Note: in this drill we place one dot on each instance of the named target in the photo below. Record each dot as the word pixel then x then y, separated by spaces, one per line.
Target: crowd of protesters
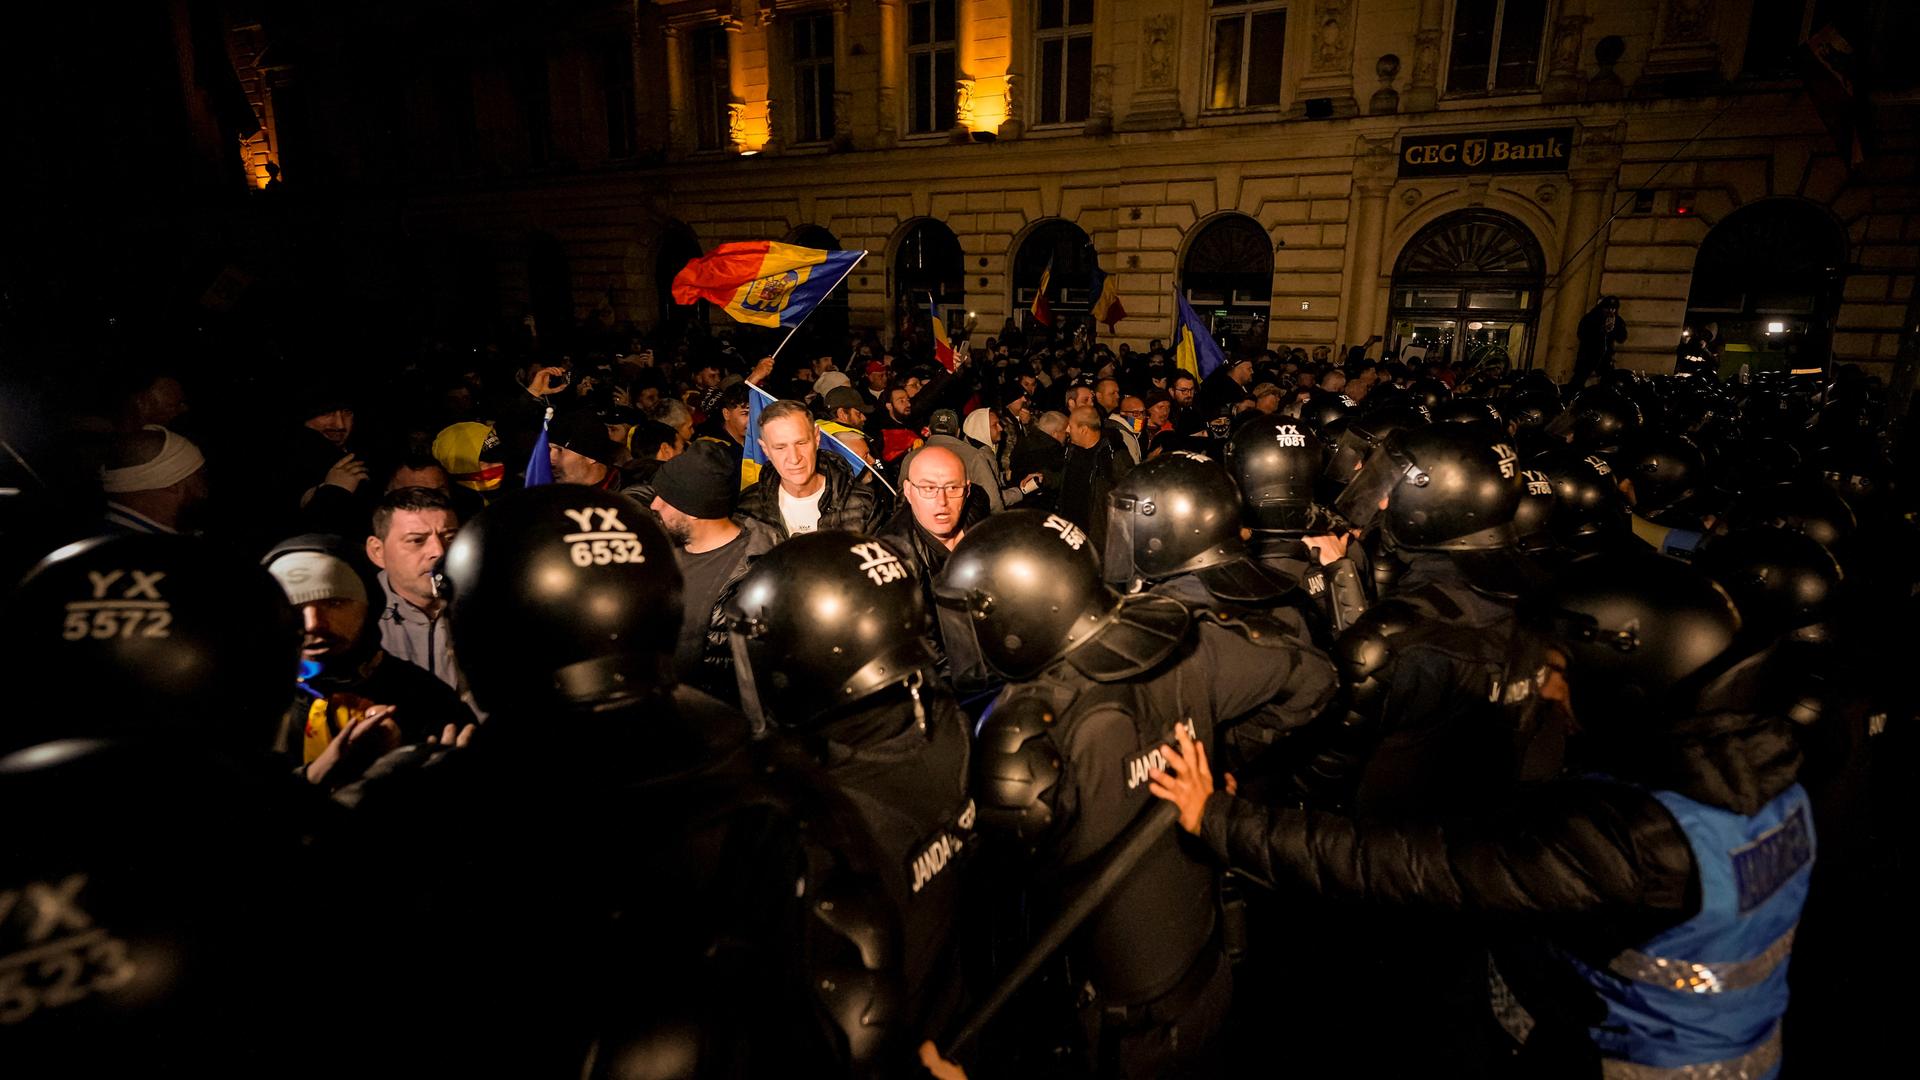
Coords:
pixel 1427 877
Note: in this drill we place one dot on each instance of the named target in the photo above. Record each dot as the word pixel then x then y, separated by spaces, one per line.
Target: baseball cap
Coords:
pixel 943 422
pixel 846 397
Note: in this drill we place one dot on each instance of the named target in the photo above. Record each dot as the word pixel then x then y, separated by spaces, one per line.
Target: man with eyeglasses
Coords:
pixel 941 505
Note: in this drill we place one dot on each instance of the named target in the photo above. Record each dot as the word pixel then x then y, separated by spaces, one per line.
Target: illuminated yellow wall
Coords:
pixel 986 49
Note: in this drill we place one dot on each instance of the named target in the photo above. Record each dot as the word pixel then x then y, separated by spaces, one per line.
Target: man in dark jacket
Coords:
pixel 1599 331
pixel 1664 886
pixel 941 505
pixel 802 490
pixel 1093 465
pixel 694 494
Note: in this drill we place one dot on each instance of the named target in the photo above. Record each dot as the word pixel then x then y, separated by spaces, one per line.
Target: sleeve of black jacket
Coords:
pixel 1569 848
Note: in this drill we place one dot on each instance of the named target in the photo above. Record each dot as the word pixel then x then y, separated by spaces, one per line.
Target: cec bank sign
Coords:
pixel 1467 153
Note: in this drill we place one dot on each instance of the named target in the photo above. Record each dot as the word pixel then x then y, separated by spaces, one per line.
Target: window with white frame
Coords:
pixel 1496 46
pixel 813 76
pixel 1063 37
pixel 931 104
pixel 1249 43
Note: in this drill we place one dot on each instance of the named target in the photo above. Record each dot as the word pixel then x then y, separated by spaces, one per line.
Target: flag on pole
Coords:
pixel 1194 349
pixel 1043 310
pixel 540 463
pixel 757 401
pixel 1104 294
pixel 764 283
pixel 942 348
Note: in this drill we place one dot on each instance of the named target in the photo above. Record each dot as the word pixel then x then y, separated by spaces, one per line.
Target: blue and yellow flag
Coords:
pixel 1194 349
pixel 764 283
pixel 758 400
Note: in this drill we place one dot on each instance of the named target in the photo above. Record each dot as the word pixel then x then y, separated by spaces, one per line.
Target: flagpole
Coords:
pixel 874 469
pixel 795 328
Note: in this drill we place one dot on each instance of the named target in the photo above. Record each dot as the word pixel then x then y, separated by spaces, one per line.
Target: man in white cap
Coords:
pixel 155 482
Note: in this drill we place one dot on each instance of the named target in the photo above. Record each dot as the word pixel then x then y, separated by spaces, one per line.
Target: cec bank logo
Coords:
pixel 1473 152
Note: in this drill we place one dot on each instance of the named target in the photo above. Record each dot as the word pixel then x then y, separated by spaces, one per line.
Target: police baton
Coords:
pixel 1128 849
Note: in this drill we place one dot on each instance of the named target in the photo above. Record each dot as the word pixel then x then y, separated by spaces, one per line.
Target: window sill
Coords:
pixel 1259 114
pixel 1471 98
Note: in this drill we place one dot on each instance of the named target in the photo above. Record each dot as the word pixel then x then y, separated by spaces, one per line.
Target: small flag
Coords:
pixel 1105 294
pixel 1194 349
pixel 757 401
pixel 540 464
pixel 942 348
pixel 764 283
pixel 1043 310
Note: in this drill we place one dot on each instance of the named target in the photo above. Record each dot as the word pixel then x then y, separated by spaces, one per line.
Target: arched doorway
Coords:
pixel 1227 275
pixel 1466 289
pixel 1066 248
pixel 1768 280
pixel 678 247
pixel 927 262
pixel 550 292
pixel 825 331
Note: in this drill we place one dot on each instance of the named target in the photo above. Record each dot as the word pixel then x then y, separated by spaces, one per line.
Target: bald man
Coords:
pixel 941 505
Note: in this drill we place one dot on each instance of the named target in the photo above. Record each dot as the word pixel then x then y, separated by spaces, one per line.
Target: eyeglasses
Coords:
pixel 934 491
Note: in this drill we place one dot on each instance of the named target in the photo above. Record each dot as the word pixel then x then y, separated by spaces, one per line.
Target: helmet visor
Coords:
pixel 1116 560
pixel 1365 496
pixel 958 637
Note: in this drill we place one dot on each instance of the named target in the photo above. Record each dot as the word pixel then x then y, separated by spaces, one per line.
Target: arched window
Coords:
pixel 1069 251
pixel 928 263
pixel 1467 289
pixel 1766 285
pixel 1227 274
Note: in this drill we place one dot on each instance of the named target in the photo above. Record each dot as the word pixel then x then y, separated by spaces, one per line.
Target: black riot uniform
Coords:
pixel 609 881
pixel 829 634
pixel 153 878
pixel 1098 683
pixel 1276 463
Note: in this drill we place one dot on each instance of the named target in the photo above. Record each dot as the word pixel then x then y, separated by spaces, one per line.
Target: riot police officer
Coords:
pixel 153 851
pixel 1276 464
pixel 1097 683
pixel 610 878
pixel 829 635
pixel 1666 884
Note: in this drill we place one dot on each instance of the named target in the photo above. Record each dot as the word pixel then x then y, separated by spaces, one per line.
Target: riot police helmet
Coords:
pixel 1180 514
pixel 821 622
pixel 1442 490
pixel 1323 409
pixel 1782 582
pixel 1363 433
pixel 137 633
pixel 1023 590
pixel 1664 470
pixel 1804 506
pixel 1601 420
pixel 1276 462
pixel 1589 512
pixel 563 596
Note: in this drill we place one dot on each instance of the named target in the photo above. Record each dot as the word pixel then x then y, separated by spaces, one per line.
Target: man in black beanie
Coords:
pixel 582 452
pixel 695 494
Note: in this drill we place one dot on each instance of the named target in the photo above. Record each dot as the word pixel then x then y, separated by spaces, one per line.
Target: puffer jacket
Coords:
pixel 846 503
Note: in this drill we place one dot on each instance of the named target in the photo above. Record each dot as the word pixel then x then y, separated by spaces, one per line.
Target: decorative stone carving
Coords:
pixel 1332 18
pixel 1159 36
pixel 1685 58
pixel 1410 198
pixel 1386 99
pixel 1423 87
pixel 1562 83
pixel 843 119
pixel 1100 106
pixel 1545 194
pixel 1689 20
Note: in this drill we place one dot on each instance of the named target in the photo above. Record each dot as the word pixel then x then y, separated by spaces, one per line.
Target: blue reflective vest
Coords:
pixel 1706 997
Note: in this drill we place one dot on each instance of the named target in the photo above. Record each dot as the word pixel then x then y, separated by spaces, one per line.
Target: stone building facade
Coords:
pixel 1445 174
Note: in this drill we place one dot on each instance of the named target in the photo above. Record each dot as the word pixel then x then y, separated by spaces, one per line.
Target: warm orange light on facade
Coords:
pixel 750 126
pixel 984 103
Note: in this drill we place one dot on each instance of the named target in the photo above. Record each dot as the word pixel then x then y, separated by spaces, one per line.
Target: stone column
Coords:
pixel 1423 86
pixel 842 99
pixel 893 44
pixel 965 55
pixel 679 103
pixel 1374 166
pixel 1329 58
pixel 782 125
pixel 1564 81
pixel 1596 162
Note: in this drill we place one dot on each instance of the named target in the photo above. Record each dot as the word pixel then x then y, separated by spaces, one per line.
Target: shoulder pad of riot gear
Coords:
pixel 1016 765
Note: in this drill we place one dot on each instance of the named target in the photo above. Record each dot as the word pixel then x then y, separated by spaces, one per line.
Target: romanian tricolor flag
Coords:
pixel 762 282
pixel 1042 309
pixel 942 348
pixel 1105 295
pixel 1194 350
